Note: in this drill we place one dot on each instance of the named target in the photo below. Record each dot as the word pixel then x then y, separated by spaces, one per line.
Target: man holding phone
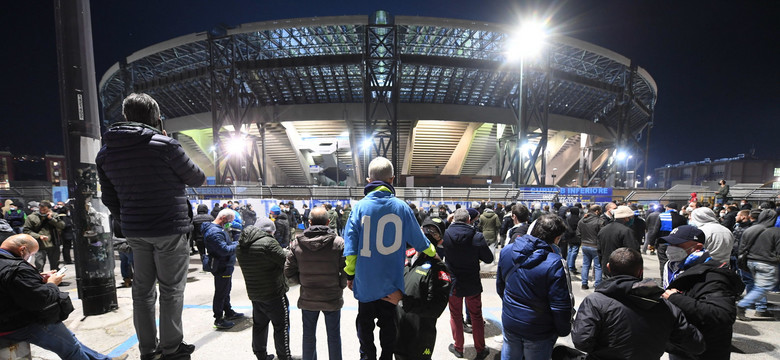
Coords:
pixel 45 226
pixel 25 293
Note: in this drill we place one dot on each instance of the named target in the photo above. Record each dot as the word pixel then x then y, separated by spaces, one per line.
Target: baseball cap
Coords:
pixel 684 233
pixel 276 210
pixel 435 222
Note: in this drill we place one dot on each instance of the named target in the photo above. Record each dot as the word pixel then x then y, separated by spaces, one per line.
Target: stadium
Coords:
pixel 311 101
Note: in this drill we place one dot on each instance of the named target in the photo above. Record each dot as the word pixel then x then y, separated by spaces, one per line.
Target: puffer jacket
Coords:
pixel 203 216
pixel 707 297
pixel 623 309
pixel 282 233
pixel 262 263
pixel 760 250
pixel 137 167
pixel 220 247
pixel 465 248
pixel 537 302
pixel 720 240
pixel 489 223
pixel 316 261
pixel 588 230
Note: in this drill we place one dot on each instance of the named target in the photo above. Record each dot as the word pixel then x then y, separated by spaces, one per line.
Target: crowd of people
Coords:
pixel 404 265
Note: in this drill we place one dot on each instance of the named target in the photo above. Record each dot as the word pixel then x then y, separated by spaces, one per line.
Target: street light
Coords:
pixel 527 41
pixel 553 175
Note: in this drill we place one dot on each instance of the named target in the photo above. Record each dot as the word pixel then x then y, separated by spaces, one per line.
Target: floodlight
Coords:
pixel 621 155
pixel 527 147
pixel 235 146
pixel 527 41
pixel 367 144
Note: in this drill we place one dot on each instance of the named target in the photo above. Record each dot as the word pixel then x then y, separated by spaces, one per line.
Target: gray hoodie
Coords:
pixel 761 251
pixel 720 240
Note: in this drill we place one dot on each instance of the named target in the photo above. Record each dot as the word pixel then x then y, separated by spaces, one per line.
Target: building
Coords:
pixel 735 170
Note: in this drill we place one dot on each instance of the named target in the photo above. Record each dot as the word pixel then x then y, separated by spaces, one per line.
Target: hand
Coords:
pixel 49 214
pixel 394 297
pixel 54 278
pixel 669 293
pixel 349 284
pixel 44 238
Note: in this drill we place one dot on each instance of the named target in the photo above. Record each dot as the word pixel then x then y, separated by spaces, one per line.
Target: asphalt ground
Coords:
pixel 113 333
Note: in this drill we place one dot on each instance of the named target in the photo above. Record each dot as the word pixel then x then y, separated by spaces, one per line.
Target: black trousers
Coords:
pixel 223 283
pixel 52 253
pixel 660 251
pixel 416 337
pixel 387 319
pixel 67 244
pixel 277 312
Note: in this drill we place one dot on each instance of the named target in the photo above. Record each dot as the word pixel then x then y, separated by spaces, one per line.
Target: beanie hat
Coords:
pixel 473 213
pixel 265 224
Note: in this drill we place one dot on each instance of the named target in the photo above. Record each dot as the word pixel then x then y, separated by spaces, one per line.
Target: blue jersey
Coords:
pixel 377 231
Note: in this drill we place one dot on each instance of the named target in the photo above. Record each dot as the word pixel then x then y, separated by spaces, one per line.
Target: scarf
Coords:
pixel 378 186
pixel 695 258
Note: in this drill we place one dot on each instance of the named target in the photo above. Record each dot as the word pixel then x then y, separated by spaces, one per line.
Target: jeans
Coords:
pixel 333 328
pixel 277 312
pixel 590 254
pixel 474 306
pixel 517 348
pixel 572 255
pixel 126 264
pixel 387 320
pixel 57 339
pixel 764 279
pixel 159 260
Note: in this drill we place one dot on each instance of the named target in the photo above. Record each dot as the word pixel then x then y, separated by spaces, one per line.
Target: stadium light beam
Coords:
pixel 236 145
pixel 527 41
pixel 621 155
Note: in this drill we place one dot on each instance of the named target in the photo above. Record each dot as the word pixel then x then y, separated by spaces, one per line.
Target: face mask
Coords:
pixel 676 254
pixel 630 223
pixel 226 226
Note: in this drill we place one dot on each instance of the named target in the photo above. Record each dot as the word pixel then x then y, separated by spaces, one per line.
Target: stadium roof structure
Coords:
pixel 437 96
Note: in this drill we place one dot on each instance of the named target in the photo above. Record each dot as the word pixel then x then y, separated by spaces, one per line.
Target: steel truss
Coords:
pixel 381 89
pixel 230 102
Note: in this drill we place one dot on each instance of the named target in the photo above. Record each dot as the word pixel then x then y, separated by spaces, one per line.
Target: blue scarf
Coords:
pixel 378 186
pixel 695 258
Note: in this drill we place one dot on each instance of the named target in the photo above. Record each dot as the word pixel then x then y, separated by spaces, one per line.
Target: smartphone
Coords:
pixel 62 270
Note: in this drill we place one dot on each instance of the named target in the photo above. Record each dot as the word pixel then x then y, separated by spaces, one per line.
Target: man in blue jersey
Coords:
pixel 667 221
pixel 375 237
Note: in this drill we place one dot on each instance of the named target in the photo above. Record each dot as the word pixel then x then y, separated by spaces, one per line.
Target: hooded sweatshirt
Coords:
pixel 764 245
pixel 489 223
pixel 626 318
pixel 316 261
pixel 537 302
pixel 719 240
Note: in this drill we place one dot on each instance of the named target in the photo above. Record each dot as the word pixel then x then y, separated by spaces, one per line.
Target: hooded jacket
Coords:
pixel 137 167
pixel 202 216
pixel 537 302
pixel 489 223
pixel 707 297
pixel 588 230
pixel 316 261
pixel 262 263
pixel 220 247
pixel 626 318
pixel 465 248
pixel 765 245
pixel 720 240
pixel 282 233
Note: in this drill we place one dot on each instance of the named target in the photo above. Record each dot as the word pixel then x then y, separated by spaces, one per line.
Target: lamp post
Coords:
pixel 553 175
pixel 527 41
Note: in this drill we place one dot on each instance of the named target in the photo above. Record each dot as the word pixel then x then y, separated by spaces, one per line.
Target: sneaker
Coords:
pixel 458 354
pixel 574 271
pixel 267 357
pixel 468 329
pixel 584 287
pixel 182 353
pixel 222 324
pixel 233 315
pixel 763 314
pixel 120 357
pixel 482 355
pixel 741 314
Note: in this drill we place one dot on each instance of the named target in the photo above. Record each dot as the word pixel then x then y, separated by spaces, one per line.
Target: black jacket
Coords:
pixel 427 285
pixel 203 216
pixel 614 236
pixel 143 175
pixel 23 294
pixel 282 233
pixel 626 318
pixel 707 297
pixel 465 248
pixel 262 264
pixel 571 235
pixel 654 226
pixel 730 219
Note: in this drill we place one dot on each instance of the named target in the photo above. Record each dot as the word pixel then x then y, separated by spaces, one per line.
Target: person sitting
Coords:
pixel 25 296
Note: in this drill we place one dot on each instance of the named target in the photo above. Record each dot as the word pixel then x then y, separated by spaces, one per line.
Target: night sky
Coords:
pixel 715 62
